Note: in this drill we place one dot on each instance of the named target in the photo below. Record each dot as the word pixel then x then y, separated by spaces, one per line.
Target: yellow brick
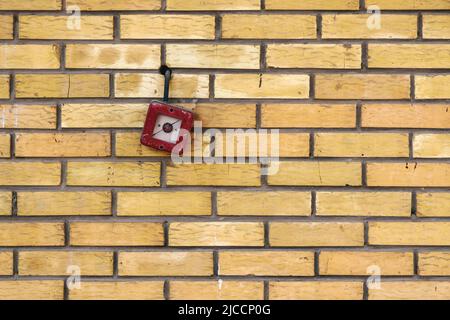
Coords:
pixel 32 290
pixel 358 263
pixel 6 263
pixel 409 56
pixel 142 85
pixel 29 56
pixel 431 145
pixel 266 263
pixel 406 116
pixel 281 86
pixel 308 116
pixel 352 26
pixel 5 145
pixel 436 26
pixel 245 26
pixel 411 174
pixel 216 290
pixel 28 116
pixel 200 5
pixel 410 4
pixel 6 27
pixel 411 290
pixel 113 56
pixel 62 85
pixel 315 290
pixel 433 204
pixel 65 27
pixel 128 144
pixel 108 5
pixel 63 144
pixel 59 263
pixel 272 203
pixel 364 204
pixel 163 203
pixel 324 56
pixel 125 174
pixel 312 5
pixel 185 234
pixel 213 56
pixel 167 26
pixel 434 263
pixel 226 115
pixel 120 290
pixel 432 87
pixel 30 173
pixel 4 86
pixel 317 234
pixel 31 234
pixel 409 233
pixel 30 5
pixel 116 234
pixel 362 86
pixel 317 174
pixel 63 203
pixel 214 174
pixel 361 145
pixel 165 264
pixel 5 203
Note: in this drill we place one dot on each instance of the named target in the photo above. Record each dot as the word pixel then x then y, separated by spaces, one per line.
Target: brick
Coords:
pixel 36 5
pixel 410 4
pixel 201 5
pixel 116 234
pixel 65 27
pixel 364 204
pixel 436 26
pixel 5 203
pixel 142 85
pixel 406 116
pixel 163 203
pixel 213 56
pixel 411 56
pixel 409 233
pixel 248 86
pixel 411 290
pixel 29 56
pixel 118 290
pixel 165 263
pixel 408 174
pixel 432 87
pixel 32 290
pixel 167 26
pixel 213 174
pixel 28 116
pixel 341 263
pixel 308 116
pixel 125 174
pixel 31 234
pixel 67 144
pixel 226 115
pixel 315 290
pixel 30 173
pixel 272 203
pixel 185 234
pixel 4 86
pixel 433 204
pixel 113 56
pixel 58 263
pixel 216 290
pixel 128 144
pixel 317 174
pixel 321 56
pixel 5 146
pixel 308 234
pixel 361 145
pixel 6 263
pixel 245 26
pixel 67 203
pixel 362 86
pixel 266 263
pixel 116 5
pixel 6 27
pixel 62 85
pixel 431 145
pixel 352 26
pixel 434 263
pixel 312 5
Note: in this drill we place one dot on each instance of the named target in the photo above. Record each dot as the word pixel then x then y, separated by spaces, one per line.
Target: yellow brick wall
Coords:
pixel 363 179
